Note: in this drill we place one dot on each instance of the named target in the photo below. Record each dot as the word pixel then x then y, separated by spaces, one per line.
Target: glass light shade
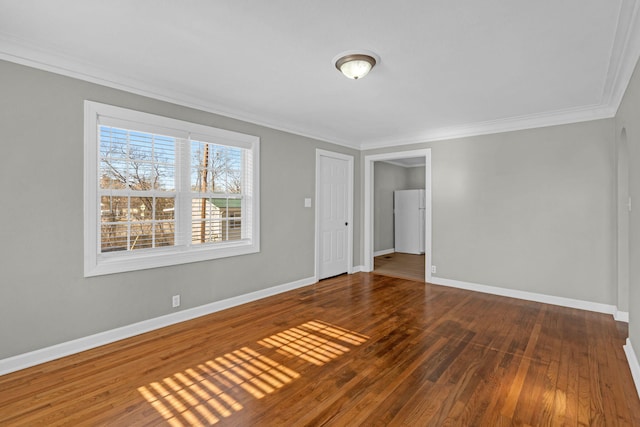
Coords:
pixel 355 66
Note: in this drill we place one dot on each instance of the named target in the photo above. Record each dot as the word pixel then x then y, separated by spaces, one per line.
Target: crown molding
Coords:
pixel 625 52
pixel 20 52
pixel 532 121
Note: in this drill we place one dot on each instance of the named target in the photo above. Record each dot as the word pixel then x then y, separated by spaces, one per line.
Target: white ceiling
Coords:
pixel 447 69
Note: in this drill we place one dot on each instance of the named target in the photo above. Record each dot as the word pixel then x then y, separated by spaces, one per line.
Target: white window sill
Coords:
pixel 115 262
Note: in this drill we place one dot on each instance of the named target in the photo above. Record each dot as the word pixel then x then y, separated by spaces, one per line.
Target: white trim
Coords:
pixel 623 62
pixel 527 296
pixel 510 124
pixel 384 252
pixel 96 263
pixel 634 366
pixel 12 50
pixel 369 205
pixel 402 165
pixel 36 357
pixel 621 316
pixel 31 57
pixel 624 56
pixel 350 200
pixel 357 269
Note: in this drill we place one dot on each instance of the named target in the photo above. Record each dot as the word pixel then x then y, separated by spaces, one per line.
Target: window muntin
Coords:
pixel 160 191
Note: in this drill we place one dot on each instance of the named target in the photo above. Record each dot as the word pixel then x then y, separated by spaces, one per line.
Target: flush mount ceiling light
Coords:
pixel 355 65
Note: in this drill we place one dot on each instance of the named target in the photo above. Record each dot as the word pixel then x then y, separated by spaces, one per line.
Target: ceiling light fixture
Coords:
pixel 355 65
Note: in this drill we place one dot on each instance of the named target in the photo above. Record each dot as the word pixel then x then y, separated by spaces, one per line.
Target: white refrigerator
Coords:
pixel 408 210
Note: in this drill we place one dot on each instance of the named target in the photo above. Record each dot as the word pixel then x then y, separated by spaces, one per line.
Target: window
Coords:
pixel 160 191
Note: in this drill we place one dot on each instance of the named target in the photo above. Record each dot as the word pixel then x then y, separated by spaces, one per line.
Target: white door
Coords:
pixel 334 215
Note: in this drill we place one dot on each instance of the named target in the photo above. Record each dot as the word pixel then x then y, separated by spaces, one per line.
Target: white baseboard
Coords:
pixel 621 316
pixel 632 359
pixel 26 360
pixel 357 269
pixel 529 296
pixel 384 252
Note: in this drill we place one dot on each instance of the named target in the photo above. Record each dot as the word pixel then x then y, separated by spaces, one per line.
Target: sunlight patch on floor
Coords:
pixel 204 395
pixel 310 342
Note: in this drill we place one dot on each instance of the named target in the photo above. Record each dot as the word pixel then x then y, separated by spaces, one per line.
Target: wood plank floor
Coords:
pixel 353 350
pixel 397 264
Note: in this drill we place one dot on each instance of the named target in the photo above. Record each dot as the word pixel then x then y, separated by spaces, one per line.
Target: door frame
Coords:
pixel 623 221
pixel 369 205
pixel 350 177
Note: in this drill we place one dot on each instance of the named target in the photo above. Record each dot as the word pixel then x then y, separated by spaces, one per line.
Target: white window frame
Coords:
pixel 97 263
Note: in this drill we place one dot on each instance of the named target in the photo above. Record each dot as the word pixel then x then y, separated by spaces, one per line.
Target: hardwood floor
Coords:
pixel 397 264
pixel 354 350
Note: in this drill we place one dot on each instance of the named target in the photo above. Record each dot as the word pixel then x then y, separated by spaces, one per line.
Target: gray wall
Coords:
pixel 530 210
pixel 387 179
pixel 44 298
pixel 628 144
pixel 415 178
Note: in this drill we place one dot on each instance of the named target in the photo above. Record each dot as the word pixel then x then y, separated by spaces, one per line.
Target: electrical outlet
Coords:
pixel 175 301
pixel 433 269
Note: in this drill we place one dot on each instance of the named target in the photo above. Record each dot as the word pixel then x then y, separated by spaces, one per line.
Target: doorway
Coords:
pixel 369 206
pixel 334 214
pixel 624 208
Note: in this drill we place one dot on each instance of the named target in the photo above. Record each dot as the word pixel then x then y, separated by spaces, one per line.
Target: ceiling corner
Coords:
pixel 624 54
